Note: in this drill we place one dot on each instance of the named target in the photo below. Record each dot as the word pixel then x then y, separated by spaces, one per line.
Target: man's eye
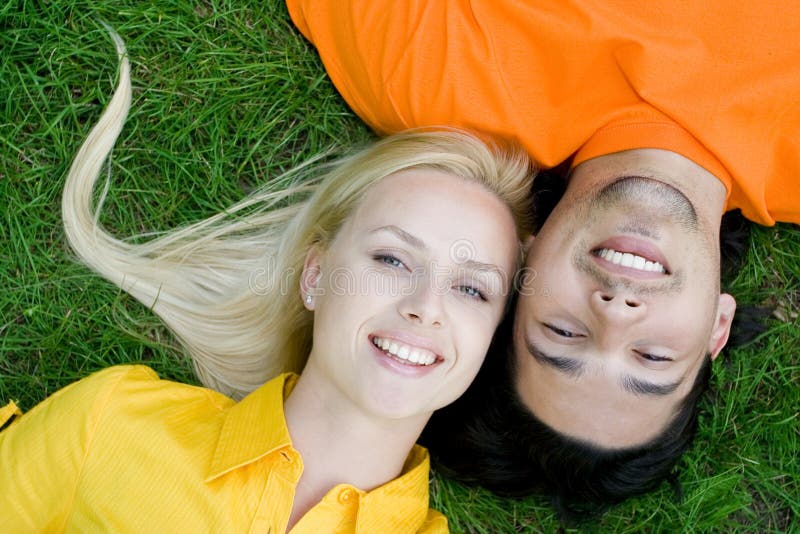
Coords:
pixel 561 332
pixel 654 358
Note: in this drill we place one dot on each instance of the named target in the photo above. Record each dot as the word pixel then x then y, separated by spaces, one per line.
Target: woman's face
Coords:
pixel 407 296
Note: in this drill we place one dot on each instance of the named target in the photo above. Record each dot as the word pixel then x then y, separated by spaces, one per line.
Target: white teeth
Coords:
pixel 405 352
pixel 632 261
pixel 627 260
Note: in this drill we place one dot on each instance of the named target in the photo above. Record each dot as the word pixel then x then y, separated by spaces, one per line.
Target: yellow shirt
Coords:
pixel 123 451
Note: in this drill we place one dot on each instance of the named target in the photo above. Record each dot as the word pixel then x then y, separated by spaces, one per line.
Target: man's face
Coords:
pixel 620 301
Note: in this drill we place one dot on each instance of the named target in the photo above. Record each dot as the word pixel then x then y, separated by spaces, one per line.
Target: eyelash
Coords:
pixel 654 358
pixel 476 293
pixel 569 335
pixel 392 261
pixel 389 260
pixel 561 332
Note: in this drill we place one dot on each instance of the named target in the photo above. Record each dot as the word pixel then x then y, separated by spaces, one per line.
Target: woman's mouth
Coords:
pixel 406 354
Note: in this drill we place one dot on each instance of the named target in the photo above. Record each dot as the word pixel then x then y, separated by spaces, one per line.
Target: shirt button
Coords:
pixel 346 496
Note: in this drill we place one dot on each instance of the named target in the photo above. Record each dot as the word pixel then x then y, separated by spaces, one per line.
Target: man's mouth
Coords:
pixel 631 255
pixel 632 261
pixel 407 354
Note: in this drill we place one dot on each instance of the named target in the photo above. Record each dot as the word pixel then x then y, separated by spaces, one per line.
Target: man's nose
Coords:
pixel 617 306
pixel 423 306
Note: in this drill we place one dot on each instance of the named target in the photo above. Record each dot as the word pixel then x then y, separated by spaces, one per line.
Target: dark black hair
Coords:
pixel 489 437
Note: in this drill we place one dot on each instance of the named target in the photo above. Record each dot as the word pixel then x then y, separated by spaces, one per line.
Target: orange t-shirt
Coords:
pixel 717 81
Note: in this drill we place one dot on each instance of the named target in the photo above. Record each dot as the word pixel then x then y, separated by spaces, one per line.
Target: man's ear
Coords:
pixel 722 327
pixel 312 273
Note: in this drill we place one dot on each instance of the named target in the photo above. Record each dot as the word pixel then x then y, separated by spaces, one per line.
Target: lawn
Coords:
pixel 225 98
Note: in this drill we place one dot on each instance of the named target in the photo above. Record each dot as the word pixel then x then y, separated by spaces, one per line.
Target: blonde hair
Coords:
pixel 228 286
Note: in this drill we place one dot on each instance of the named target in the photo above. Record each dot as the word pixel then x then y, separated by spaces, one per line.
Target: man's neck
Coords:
pixel 340 442
pixel 706 193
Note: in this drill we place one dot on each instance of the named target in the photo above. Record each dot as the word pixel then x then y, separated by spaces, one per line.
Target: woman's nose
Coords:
pixel 423 306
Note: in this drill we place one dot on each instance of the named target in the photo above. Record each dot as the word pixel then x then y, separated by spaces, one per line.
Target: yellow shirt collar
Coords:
pixel 408 494
pixel 245 438
pixel 253 427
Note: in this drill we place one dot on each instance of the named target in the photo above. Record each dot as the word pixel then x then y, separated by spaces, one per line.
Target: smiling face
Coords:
pixel 621 302
pixel 409 292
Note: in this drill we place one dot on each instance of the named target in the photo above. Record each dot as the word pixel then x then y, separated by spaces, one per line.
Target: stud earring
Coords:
pixel 309 298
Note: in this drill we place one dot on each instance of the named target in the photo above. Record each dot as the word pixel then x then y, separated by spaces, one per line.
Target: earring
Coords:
pixel 309 298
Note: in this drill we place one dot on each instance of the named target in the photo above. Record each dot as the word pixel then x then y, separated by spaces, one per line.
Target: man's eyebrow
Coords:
pixel 403 235
pixel 568 366
pixel 644 387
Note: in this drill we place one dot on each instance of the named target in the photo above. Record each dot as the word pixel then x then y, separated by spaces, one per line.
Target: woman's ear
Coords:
pixel 309 279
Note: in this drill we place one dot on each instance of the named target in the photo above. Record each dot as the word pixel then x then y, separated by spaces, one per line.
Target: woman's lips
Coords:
pixel 400 366
pixel 402 348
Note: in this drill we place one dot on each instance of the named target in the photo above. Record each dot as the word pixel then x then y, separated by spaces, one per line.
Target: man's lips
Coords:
pixel 632 257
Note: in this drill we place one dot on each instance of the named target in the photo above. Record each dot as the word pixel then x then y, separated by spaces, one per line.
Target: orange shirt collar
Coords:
pixel 648 128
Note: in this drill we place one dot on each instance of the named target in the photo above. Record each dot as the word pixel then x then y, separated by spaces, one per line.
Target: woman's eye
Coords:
pixel 390 260
pixel 561 332
pixel 472 292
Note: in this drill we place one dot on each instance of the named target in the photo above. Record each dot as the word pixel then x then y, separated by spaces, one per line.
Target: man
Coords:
pixel 623 304
pixel 667 117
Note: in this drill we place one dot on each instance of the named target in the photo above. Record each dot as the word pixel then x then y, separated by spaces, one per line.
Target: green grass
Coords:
pixel 227 96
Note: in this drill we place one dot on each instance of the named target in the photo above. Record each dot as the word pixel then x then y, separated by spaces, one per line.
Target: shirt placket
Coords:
pixel 275 504
pixel 336 513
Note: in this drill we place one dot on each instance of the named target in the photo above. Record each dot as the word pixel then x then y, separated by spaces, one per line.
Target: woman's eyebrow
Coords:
pixel 412 240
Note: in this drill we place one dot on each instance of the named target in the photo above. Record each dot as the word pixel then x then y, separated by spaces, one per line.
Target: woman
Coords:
pixel 384 284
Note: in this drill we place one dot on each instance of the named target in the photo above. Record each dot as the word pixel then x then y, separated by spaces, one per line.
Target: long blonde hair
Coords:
pixel 228 286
